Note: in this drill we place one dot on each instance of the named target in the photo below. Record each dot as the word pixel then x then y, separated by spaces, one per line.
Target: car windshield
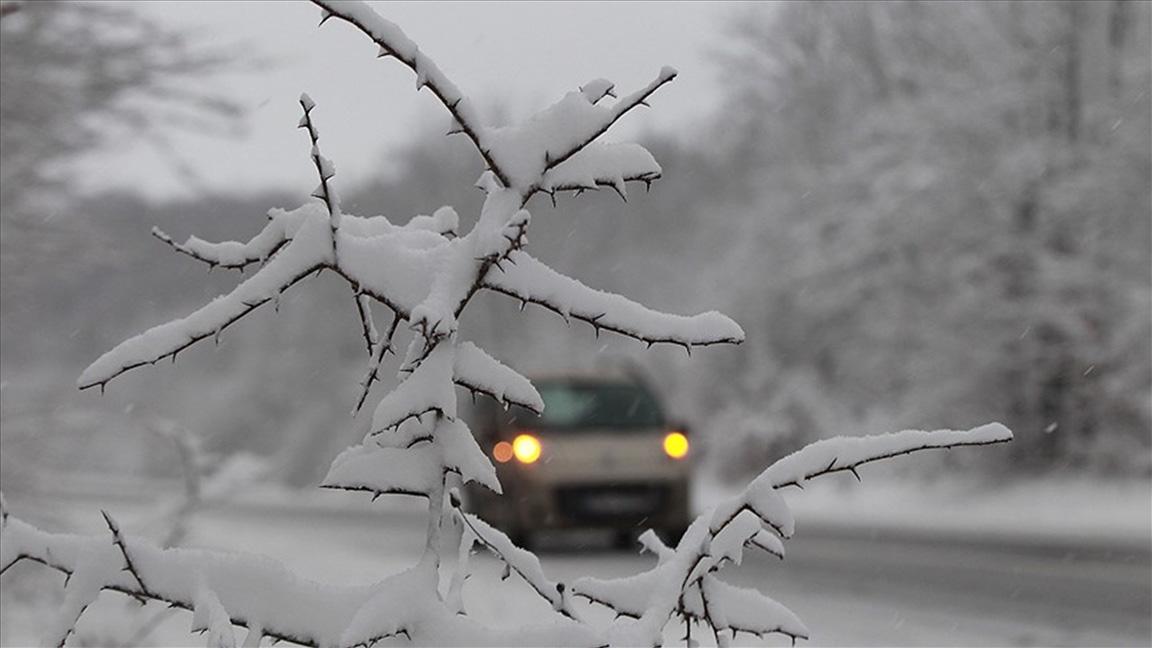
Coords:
pixel 594 405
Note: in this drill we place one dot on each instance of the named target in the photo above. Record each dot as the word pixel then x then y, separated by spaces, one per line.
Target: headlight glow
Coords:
pixel 676 445
pixel 526 448
pixel 502 452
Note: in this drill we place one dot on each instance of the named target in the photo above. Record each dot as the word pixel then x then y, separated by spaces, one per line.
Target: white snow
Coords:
pixel 769 542
pixel 476 370
pixel 254 589
pixel 600 163
pixel 728 543
pixel 209 615
pixel 530 280
pixel 527 150
pixel 523 562
pixel 428 388
pixel 628 595
pixel 462 454
pixel 747 610
pixel 92 570
pixel 386 470
pixel 762 499
pixel 308 249
pixel 597 89
pixel 841 453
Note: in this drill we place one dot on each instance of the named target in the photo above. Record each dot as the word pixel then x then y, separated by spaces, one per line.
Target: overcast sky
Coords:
pixel 518 57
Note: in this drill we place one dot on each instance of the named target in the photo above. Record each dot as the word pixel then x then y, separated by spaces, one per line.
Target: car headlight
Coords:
pixel 676 445
pixel 526 448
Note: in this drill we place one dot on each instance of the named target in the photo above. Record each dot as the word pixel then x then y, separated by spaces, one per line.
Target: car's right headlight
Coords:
pixel 676 445
pixel 526 448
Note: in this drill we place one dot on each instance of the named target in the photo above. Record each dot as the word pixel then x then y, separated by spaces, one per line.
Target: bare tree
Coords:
pixel 76 76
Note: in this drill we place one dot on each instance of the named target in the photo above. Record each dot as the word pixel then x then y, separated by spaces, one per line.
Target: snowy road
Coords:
pixel 858 587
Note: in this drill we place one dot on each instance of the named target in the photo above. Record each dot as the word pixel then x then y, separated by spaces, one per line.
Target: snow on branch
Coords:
pixel 499 232
pixel 551 137
pixel 367 324
pixel 209 615
pixel 462 455
pixel 521 561
pixel 383 345
pixel 530 281
pixel 307 252
pixel 235 589
pixel 394 42
pixel 376 470
pixel 603 165
pixel 324 167
pixel 842 454
pixel 428 388
pixel 231 254
pixel 480 373
pixel 838 454
pixel 410 461
pixel 738 609
pixel 523 156
pixel 684 582
pixel 390 264
pixel 251 589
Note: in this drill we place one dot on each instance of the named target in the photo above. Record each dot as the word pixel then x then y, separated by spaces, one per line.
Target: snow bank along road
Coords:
pixel 851 586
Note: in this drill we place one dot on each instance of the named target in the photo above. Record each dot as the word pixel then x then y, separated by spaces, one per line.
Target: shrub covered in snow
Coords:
pixel 424 273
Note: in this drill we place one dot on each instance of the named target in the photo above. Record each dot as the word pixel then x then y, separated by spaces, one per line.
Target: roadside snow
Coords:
pixel 1064 510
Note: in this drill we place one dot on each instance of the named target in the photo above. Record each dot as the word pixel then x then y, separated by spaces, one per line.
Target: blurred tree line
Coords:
pixel 951 220
pixel 923 214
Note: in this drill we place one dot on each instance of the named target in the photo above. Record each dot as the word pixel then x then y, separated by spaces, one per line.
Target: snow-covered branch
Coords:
pixel 383 345
pixel 307 252
pixel 532 156
pixel 251 588
pixel 684 582
pixel 848 453
pixel 480 373
pixel 324 167
pixel 521 561
pixel 395 43
pixel 223 590
pixel 565 140
pixel 230 254
pixel 531 281
pixel 603 165
pixel 393 265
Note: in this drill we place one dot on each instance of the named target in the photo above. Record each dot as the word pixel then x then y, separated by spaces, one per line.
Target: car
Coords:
pixel 602 455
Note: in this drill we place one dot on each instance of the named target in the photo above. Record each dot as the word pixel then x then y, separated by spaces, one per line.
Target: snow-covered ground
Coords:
pixel 1042 510
pixel 1040 563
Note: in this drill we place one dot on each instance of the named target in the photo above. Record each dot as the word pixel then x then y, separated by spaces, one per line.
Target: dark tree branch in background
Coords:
pixel 78 76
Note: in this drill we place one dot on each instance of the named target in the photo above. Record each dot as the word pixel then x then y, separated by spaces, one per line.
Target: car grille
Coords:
pixel 603 503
